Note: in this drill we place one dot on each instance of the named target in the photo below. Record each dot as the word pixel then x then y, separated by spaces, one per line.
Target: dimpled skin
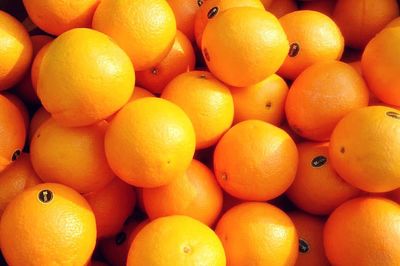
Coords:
pixel 176 241
pixel 318 38
pixel 93 76
pixel 145 29
pixel 150 142
pixel 207 102
pixel 381 65
pixel 258 234
pixel 71 156
pixel 364 231
pixel 15 51
pixel 58 16
pixel 364 148
pixel 244 45
pixel 59 232
pixel 255 160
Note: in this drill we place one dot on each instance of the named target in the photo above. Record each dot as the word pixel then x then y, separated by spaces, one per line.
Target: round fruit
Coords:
pixel 93 76
pixel 15 178
pixel 145 29
pixel 322 95
pixel 15 51
pixel 360 20
pixel 311 246
pixel 259 233
pixel 280 7
pixel 185 13
pixel 207 102
pixel 111 206
pixel 48 224
pixel 71 156
pixel 16 101
pixel 263 101
pixel 181 58
pixel 12 132
pixel 195 194
pixel 255 160
pixel 317 188
pixel 176 240
pixel 150 142
pixel 313 37
pixel 363 231
pixel 364 148
pixel 243 46
pixel 58 16
pixel 36 64
pixel 381 65
pixel 40 116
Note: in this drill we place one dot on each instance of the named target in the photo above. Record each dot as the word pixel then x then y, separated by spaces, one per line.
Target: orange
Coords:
pixel 176 240
pixel 12 132
pixel 311 247
pixel 111 206
pixel 48 224
pixel 363 231
pixel 257 234
pixel 93 76
pixel 20 106
pixel 145 29
pixel 313 37
pixel 296 138
pixel 58 16
pixel 324 6
pixel 209 8
pixel 317 188
pixel 36 64
pixel 381 65
pixel 25 88
pixel 40 116
pixel 150 142
pixel 360 20
pixel 321 95
pixel 207 102
pixel 255 160
pixel 364 148
pixel 181 58
pixel 15 51
pixel 264 100
pixel 71 156
pixel 280 7
pixel 243 55
pixel 394 23
pixel 357 66
pixel 195 194
pixel 115 249
pixel 185 13
pixel 17 177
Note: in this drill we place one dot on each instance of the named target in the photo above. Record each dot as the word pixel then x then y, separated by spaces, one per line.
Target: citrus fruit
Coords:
pixel 264 100
pixel 15 51
pixel 321 95
pixel 317 188
pixel 18 176
pixel 145 29
pixel 280 7
pixel 93 76
pixel 176 240
pixel 150 142
pixel 185 13
pixel 313 37
pixel 364 147
pixel 36 64
pixel 244 45
pixel 373 241
pixel 16 101
pixel 111 206
pixel 71 156
pixel 207 102
pixel 58 16
pixel 255 160
pixel 195 194
pixel 181 58
pixel 48 224
pixel 40 116
pixel 257 234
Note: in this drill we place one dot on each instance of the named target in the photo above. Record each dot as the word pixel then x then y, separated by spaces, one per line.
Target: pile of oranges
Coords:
pixel 200 132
